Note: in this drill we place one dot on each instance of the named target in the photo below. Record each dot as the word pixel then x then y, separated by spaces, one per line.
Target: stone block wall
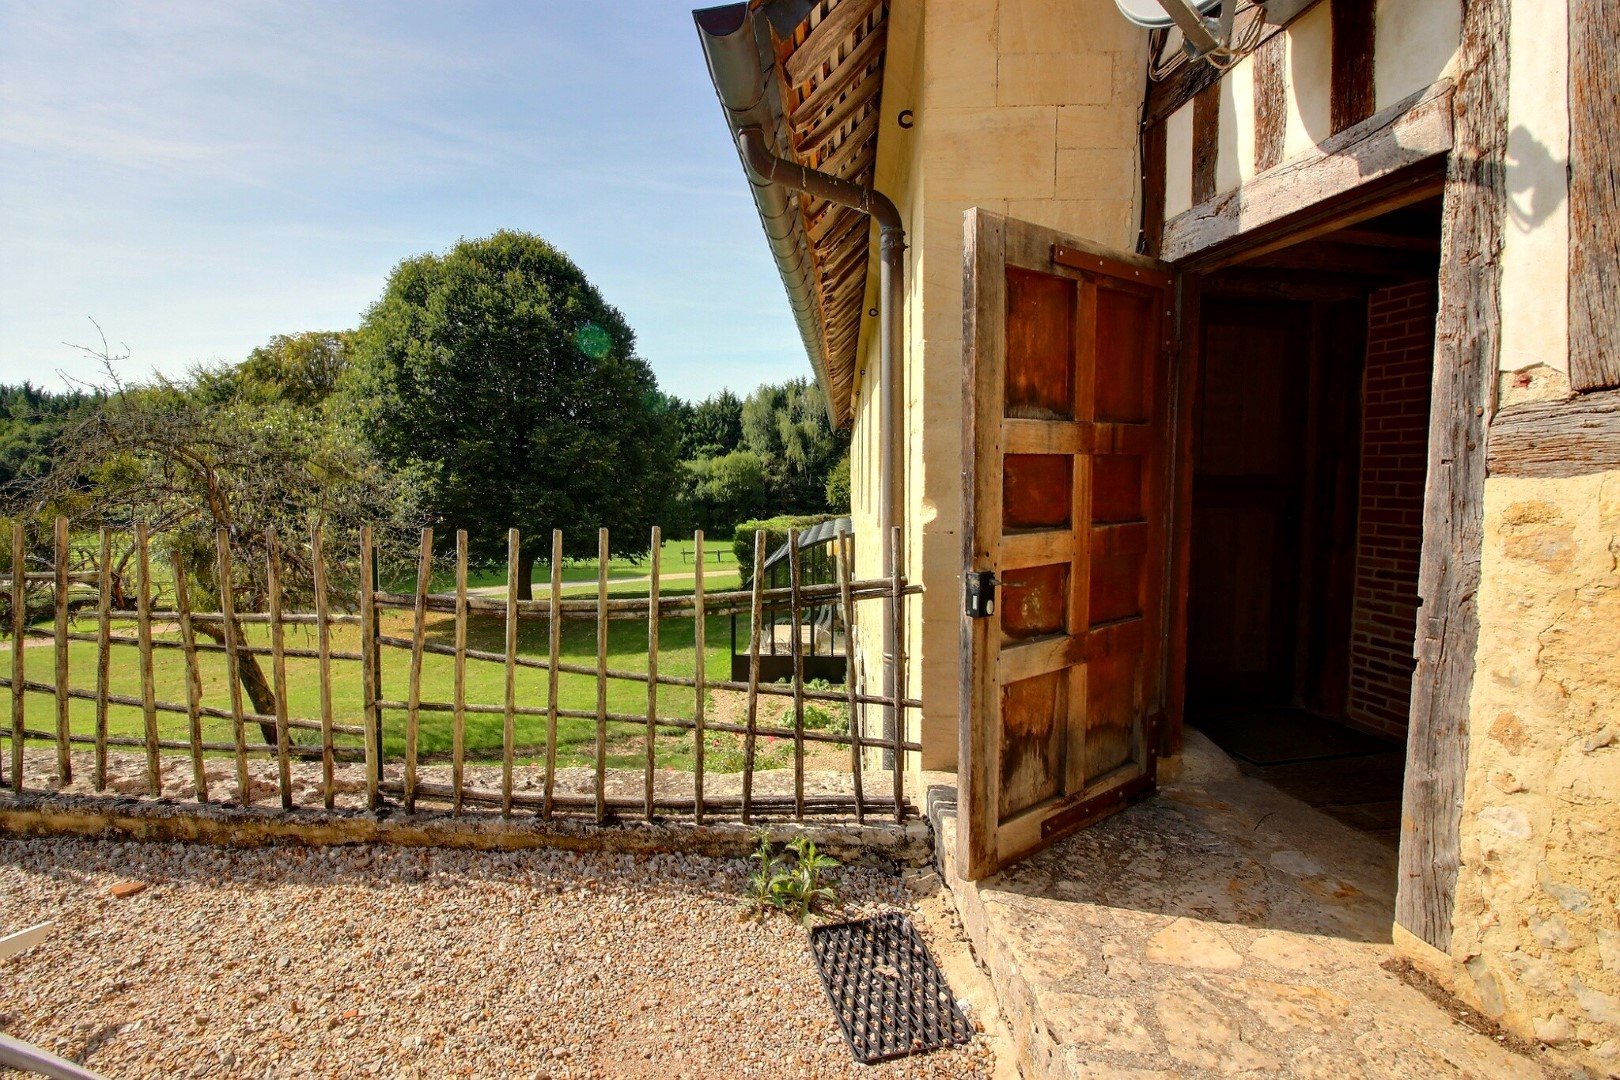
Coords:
pixel 1389 534
pixel 1537 920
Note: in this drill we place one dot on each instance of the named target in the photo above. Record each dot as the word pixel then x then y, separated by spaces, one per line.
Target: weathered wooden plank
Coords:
pixel 1351 86
pixel 1467 352
pixel 413 708
pixel 1206 142
pixel 233 662
pixel 64 752
pixel 103 653
pixel 1594 196
pixel 370 668
pixel 1154 155
pixel 1270 102
pixel 1557 439
pixel 278 669
pixel 1406 134
pixel 823 43
pixel 796 652
pixel 856 61
pixel 554 655
pixel 143 623
pixel 514 548
pixel 323 646
pixel 19 631
pixel 194 690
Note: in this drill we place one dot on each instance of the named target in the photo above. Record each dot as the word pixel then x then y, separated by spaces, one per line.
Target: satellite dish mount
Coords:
pixel 1205 37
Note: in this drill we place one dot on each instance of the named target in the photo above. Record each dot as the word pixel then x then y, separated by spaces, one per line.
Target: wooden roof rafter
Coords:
pixel 830 71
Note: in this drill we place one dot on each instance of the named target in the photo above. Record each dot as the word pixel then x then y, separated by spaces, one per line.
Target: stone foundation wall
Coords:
pixel 1537 923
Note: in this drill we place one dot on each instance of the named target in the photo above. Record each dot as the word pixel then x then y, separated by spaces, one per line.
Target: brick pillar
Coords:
pixel 1389 532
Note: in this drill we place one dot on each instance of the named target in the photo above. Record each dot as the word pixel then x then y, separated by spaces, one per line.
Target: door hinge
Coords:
pixel 979 594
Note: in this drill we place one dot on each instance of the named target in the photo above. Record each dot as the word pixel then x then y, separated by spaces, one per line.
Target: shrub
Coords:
pixel 776 534
pixel 790 879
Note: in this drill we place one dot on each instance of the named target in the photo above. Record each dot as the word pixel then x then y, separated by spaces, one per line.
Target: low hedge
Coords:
pixel 776 534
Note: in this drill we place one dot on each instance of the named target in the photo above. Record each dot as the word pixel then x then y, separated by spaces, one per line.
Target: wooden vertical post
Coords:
pixel 652 666
pixel 323 644
pixel 601 673
pixel 413 704
pixel 845 560
pixel 458 717
pixel 514 544
pixel 797 654
pixel 554 629
pixel 699 627
pixel 278 663
pixel 103 654
pixel 370 667
pixel 756 611
pixel 19 627
pixel 64 748
pixel 143 612
pixel 233 663
pixel 898 607
pixel 194 690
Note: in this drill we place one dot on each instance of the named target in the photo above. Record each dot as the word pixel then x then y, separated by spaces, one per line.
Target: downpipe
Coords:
pixel 767 168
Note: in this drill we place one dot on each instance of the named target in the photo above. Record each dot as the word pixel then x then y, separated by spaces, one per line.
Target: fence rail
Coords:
pixel 176 628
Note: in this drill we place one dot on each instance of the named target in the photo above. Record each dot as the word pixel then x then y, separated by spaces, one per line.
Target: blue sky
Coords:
pixel 200 176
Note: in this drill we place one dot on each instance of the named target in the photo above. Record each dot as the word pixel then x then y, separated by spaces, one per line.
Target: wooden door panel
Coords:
pixel 1065 491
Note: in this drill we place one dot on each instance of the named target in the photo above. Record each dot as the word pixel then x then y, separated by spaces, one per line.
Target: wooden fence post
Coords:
pixel 845 562
pixel 554 628
pixel 756 612
pixel 278 665
pixel 194 690
pixel 413 703
pixel 797 654
pixel 19 628
pixel 103 654
pixel 652 666
pixel 233 664
pixel 323 637
pixel 699 630
pixel 64 748
pixel 143 613
pixel 370 668
pixel 601 673
pixel 514 545
pixel 458 715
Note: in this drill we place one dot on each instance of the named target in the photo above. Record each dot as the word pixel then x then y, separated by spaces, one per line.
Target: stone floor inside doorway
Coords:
pixel 1221 928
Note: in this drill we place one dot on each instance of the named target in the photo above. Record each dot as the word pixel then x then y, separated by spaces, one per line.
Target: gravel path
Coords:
pixel 422 962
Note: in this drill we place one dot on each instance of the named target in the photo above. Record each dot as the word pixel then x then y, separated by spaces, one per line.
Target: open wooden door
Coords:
pixel 1065 492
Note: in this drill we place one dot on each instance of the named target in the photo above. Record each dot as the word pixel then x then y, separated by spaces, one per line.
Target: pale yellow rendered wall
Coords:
pixel 1537 925
pixel 1026 107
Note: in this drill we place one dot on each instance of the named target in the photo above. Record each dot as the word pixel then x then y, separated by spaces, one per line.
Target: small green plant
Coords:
pixel 790 879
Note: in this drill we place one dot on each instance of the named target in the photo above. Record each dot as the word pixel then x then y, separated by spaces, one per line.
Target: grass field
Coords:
pixel 676 565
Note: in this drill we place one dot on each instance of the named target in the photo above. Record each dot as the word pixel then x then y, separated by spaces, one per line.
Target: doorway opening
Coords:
pixel 1309 455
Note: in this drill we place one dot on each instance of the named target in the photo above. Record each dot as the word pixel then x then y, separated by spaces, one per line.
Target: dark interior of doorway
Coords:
pixel 1309 450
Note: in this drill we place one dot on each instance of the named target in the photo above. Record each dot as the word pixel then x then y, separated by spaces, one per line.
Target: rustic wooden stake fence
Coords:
pixel 228 623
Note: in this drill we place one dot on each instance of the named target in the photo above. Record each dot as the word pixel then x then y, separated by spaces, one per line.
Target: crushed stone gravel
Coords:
pixel 374 961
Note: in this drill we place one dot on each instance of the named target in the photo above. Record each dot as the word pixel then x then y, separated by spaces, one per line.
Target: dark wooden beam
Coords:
pixel 1392 241
pixel 1206 139
pixel 1270 103
pixel 1242 283
pixel 1466 358
pixel 1351 98
pixel 1329 255
pixel 1368 163
pixel 1554 439
pixel 1153 163
pixel 1594 195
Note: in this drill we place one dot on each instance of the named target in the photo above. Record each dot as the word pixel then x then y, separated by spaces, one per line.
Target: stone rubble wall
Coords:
pixel 1537 921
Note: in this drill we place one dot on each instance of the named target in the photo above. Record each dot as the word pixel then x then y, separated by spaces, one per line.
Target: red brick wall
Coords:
pixel 1394 461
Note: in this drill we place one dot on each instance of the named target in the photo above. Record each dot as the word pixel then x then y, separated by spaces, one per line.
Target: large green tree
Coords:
pixel 498 370
pixel 789 427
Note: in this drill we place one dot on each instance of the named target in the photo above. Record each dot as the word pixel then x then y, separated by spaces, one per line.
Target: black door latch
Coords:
pixel 979 594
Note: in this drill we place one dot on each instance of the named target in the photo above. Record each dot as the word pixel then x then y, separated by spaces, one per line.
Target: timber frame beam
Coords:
pixel 1466 359
pixel 1387 160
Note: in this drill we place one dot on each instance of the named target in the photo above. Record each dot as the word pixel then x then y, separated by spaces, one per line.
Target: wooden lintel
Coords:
pixel 1556 439
pixel 1402 137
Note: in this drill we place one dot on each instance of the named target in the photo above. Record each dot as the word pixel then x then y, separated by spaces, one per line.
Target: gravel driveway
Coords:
pixel 420 962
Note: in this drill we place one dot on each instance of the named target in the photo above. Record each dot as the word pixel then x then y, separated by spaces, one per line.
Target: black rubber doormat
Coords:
pixel 886 990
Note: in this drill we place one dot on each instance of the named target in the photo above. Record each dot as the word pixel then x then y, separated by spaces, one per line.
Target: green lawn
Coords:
pixel 676 563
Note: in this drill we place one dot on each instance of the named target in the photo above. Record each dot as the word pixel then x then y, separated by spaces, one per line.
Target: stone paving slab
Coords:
pixel 1218 929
